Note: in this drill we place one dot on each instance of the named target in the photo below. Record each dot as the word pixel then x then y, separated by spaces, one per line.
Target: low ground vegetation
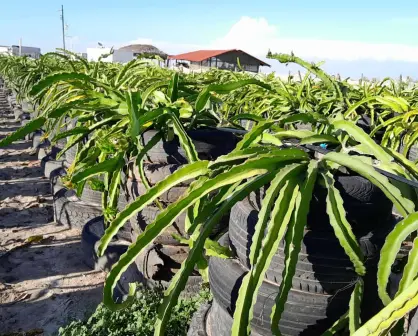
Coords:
pixel 138 319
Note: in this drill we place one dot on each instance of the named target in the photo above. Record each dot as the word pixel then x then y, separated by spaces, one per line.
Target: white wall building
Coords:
pixel 118 56
pixel 26 51
pixel 124 54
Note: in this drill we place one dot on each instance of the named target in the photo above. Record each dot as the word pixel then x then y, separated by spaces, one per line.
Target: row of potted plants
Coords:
pixel 148 133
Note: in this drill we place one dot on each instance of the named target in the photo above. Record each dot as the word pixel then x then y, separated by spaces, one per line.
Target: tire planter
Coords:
pixel 303 126
pixel 365 204
pixel 18 113
pixel 322 267
pixel 71 212
pixel 91 196
pixel 219 322
pixel 125 232
pixel 36 139
pixel 70 155
pixel 197 325
pixel 30 135
pixel 137 188
pixel 159 263
pixel 48 165
pixel 209 145
pixel 365 123
pixel 155 173
pixel 55 179
pixel 26 106
pixel 90 203
pixel 141 220
pixel 94 198
pixel 306 312
pixel 45 149
pixel 91 234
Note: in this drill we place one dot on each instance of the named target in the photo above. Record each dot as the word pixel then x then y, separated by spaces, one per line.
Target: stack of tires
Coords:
pixel 4 105
pixel 11 98
pixel 324 277
pixel 84 213
pixel 69 210
pixel 92 232
pixel 75 211
pixel 163 259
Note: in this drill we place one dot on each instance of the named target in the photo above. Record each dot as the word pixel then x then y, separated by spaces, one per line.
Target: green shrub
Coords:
pixel 138 319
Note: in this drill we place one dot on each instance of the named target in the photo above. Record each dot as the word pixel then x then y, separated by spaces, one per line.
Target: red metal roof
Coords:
pixel 201 55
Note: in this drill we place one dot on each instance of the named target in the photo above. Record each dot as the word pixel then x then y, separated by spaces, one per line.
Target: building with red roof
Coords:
pixel 202 60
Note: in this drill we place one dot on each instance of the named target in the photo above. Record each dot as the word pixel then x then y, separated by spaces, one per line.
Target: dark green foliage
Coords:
pixel 138 319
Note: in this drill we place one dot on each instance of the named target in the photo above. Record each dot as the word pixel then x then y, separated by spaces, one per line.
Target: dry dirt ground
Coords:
pixel 43 281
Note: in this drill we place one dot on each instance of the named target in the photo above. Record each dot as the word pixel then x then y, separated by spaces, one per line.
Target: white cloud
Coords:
pixel 256 36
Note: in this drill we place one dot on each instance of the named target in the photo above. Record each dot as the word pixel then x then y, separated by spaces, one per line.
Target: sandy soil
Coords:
pixel 43 281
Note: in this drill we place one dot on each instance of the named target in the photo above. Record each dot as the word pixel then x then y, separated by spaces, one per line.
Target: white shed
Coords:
pixel 125 54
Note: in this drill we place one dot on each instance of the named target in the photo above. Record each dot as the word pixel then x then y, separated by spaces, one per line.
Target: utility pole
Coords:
pixel 63 27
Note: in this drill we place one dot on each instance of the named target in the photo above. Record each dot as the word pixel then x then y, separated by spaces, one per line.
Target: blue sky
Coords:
pixel 374 37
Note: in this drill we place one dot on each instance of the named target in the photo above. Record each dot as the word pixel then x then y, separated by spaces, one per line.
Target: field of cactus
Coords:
pixel 293 201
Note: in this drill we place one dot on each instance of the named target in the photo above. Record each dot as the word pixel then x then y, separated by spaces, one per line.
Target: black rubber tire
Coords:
pixel 323 266
pixel 303 126
pixel 55 180
pixel 197 325
pixel 94 197
pixel 141 220
pixel 70 154
pixel 353 188
pixel 145 217
pixel 247 124
pixel 137 188
pixel 219 322
pixel 91 196
pixel 30 135
pixel 209 145
pixel 131 275
pixel 45 149
pixel 91 234
pixel 367 207
pixel 125 232
pixel 42 152
pixel 36 139
pixel 159 263
pixel 25 106
pixel 61 143
pixel 18 113
pixel 71 212
pixel 154 174
pixel 305 313
pixel 50 165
